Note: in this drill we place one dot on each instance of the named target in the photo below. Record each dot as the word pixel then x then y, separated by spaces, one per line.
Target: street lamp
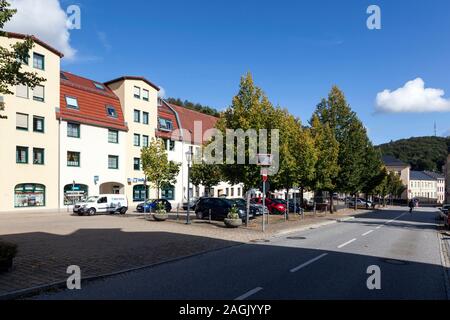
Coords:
pixel 189 155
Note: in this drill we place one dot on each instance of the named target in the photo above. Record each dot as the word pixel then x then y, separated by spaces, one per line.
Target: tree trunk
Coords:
pixel 331 203
pixel 301 196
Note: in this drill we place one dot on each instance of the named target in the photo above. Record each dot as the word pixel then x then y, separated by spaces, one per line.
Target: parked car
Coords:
pixel 260 207
pixel 105 203
pixel 150 205
pixel 444 211
pixel 275 206
pixel 255 209
pixel 219 208
pixel 192 203
pixel 360 203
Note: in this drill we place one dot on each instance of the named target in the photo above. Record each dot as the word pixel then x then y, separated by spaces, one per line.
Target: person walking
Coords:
pixel 411 206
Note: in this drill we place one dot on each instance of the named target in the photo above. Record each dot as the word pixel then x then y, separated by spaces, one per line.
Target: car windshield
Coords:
pixel 92 199
pixel 150 201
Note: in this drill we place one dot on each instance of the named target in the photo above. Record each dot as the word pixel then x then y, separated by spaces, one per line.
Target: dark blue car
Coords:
pixel 150 205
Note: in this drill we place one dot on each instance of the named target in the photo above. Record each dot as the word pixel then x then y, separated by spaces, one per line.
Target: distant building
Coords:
pixel 402 170
pixel 427 186
pixel 447 179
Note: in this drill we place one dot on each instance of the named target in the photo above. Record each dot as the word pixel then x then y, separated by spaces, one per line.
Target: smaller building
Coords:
pixel 424 186
pixel 440 185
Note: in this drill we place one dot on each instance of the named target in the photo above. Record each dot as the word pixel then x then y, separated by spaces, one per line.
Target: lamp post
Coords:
pixel 188 159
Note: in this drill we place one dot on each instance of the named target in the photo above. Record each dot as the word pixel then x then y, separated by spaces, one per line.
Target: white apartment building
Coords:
pixel 92 140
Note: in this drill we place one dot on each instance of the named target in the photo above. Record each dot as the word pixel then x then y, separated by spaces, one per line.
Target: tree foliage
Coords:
pixel 11 73
pixel 160 172
pixel 194 106
pixel 422 153
pixel 207 175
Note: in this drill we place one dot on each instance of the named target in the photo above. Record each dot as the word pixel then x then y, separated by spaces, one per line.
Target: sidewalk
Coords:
pixel 101 245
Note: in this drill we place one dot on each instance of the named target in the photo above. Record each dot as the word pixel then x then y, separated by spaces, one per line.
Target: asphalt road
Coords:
pixel 330 262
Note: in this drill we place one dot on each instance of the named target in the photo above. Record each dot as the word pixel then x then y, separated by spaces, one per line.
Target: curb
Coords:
pixel 445 264
pixel 30 292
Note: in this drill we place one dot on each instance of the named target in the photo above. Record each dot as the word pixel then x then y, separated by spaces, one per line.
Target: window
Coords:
pixel 165 125
pixel 22 155
pixel 38 124
pixel 22 91
pixel 29 195
pixel 168 193
pixel 99 86
pixel 232 192
pixel 145 94
pixel 145 117
pixel 38 61
pixel 38 156
pixel 111 111
pixel 137 140
pixel 137 164
pixel 63 76
pixel 113 136
pixel 73 130
pixel 74 193
pixel 21 121
pixel 171 145
pixel 73 159
pixel 137 92
pixel 113 162
pixel 139 193
pixel 39 93
pixel 145 141
pixel 72 102
pixel 137 116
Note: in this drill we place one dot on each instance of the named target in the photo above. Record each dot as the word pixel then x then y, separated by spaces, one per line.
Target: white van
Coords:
pixel 104 203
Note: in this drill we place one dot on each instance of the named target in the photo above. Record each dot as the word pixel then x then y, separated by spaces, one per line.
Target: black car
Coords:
pixel 219 208
pixel 151 205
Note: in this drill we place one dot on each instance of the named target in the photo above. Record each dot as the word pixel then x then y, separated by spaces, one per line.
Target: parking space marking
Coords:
pixel 367 233
pixel 347 243
pixel 248 294
pixel 308 263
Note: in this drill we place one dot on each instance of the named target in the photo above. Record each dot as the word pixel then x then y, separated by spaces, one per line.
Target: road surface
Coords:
pixel 330 262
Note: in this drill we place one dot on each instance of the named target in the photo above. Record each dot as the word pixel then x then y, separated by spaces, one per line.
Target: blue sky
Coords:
pixel 296 50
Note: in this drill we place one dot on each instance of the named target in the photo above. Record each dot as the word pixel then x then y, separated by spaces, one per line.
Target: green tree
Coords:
pixel 160 172
pixel 374 174
pixel 250 109
pixel 352 138
pixel 327 148
pixel 208 175
pixel 11 73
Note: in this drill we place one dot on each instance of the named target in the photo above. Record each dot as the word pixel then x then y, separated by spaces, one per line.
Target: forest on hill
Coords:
pixel 422 153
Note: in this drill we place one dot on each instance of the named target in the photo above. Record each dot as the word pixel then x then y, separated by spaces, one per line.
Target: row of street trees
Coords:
pixel 331 153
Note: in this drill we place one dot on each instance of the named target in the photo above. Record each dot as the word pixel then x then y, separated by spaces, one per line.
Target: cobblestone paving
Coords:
pixel 50 242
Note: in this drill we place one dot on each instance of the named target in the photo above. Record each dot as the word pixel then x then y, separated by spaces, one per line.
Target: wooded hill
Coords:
pixel 422 153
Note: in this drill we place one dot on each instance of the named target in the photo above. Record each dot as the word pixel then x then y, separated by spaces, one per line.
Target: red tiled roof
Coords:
pixel 92 103
pixel 188 117
pixel 133 78
pixel 36 40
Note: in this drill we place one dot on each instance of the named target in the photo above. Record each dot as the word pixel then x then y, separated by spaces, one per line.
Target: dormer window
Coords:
pixel 111 111
pixel 99 86
pixel 165 125
pixel 72 103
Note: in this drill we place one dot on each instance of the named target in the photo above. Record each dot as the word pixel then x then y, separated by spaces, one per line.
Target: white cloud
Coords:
pixel 44 19
pixel 412 97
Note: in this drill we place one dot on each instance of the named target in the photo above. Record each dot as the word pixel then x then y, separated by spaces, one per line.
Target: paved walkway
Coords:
pixel 50 242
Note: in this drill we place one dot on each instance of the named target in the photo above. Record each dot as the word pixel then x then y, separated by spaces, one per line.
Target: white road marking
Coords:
pixel 379 227
pixel 347 243
pixel 308 263
pixel 367 233
pixel 248 294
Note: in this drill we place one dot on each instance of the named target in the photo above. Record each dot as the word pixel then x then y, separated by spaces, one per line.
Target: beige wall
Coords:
pixel 12 173
pixel 404 173
pixel 125 91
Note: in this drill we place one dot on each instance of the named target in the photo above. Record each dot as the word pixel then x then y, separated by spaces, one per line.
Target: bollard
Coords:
pixel 209 215
pixel 178 212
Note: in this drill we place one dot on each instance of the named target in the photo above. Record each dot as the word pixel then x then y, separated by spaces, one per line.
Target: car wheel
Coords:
pixel 92 211
pixel 199 215
pixel 123 211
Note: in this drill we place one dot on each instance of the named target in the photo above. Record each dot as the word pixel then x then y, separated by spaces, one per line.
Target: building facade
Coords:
pixel 401 169
pixel 29 144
